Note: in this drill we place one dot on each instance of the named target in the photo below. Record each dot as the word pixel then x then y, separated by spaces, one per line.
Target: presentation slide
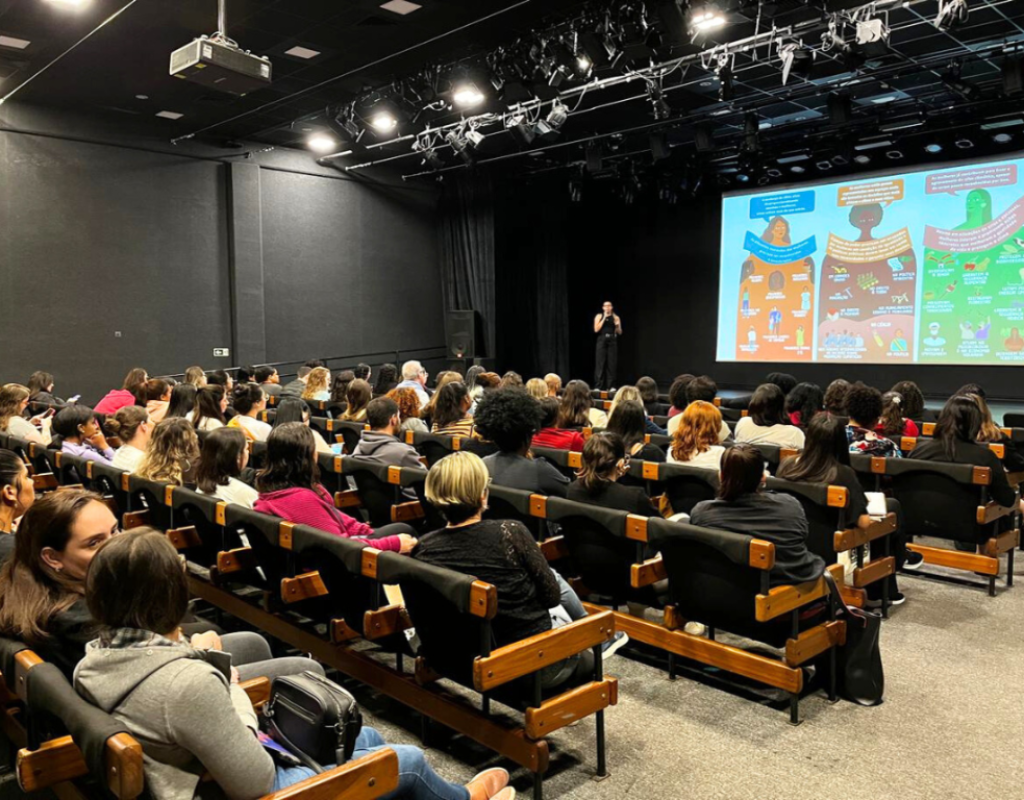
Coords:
pixel 925 267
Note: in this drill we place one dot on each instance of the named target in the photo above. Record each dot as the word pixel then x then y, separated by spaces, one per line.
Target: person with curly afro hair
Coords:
pixel 509 418
pixel 864 406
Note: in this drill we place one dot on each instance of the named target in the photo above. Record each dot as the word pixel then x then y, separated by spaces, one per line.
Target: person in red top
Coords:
pixel 289 488
pixel 550 436
pixel 127 395
pixel 892 422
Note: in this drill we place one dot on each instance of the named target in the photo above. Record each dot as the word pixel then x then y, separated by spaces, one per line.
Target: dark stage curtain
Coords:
pixel 468 253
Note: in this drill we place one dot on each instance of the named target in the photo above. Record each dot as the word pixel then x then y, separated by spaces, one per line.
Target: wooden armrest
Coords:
pixel 385 621
pixel 855 537
pixel 366 778
pixel 783 599
pixel 237 560
pixel 1002 543
pixel 349 499
pixel 135 519
pixel 60 760
pixel 992 511
pixel 184 538
pixel 404 512
pixel 258 690
pixel 536 652
pixel 555 548
pixel 44 481
pixel 302 587
pixel 647 572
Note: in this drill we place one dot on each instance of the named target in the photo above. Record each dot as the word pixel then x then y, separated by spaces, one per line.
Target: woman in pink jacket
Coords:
pixel 289 488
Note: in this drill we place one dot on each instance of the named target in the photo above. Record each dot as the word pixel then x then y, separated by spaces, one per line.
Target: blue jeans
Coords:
pixel 416 780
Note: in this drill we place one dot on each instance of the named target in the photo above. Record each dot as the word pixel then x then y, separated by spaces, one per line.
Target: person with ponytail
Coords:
pixel 132 426
pixel 248 401
pixel 17 494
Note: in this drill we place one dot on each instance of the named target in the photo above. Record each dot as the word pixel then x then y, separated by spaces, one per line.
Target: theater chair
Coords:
pixel 1012 420
pixel 831 532
pixel 149 503
pixel 503 502
pixel 435 446
pixel 379 488
pixel 452 615
pixel 683 486
pixel 951 501
pixel 567 461
pixel 111 482
pixel 347 432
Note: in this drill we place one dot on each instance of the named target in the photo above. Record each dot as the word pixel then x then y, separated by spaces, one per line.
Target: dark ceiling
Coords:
pixel 928 86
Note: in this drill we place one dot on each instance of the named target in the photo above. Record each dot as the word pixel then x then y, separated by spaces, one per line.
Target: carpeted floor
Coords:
pixel 951 725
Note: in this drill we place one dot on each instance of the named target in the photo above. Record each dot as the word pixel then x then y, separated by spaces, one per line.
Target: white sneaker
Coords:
pixel 695 628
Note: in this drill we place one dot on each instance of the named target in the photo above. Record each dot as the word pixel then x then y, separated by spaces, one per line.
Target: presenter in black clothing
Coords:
pixel 608 328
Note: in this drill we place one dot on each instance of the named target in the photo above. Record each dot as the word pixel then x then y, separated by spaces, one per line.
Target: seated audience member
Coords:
pixel 511 380
pixel 531 597
pixel 317 383
pixel 893 424
pixel 129 394
pixel 551 436
pixel 362 372
pixel 248 400
pixel 825 459
pixel 509 418
pixel 13 402
pixel 956 442
pixel 132 426
pixel 157 396
pixel 172 455
pixel 450 414
pixel 488 381
pixel 696 440
pixel 195 376
pixel 415 377
pixel 40 389
pixel 632 394
pixel 17 494
pixel 225 453
pixel 743 506
pixel 387 380
pixel 220 377
pixel 803 403
pixel 339 389
pixel 289 488
pixel 358 398
pixel 677 396
pixel 443 379
pixel 211 403
pixel 1013 459
pixel 605 460
pixel 629 420
pixel 705 389
pixel 535 387
pixel 183 402
pixel 292 409
pixel 648 389
pixel 577 408
pixel 189 709
pixel 475 389
pixel 296 387
pixel 408 410
pixel 269 381
pixel 913 400
pixel 554 384
pixel 864 407
pixel 245 374
pixel 768 423
pixel 784 381
pixel 381 444
pixel 835 397
pixel 82 435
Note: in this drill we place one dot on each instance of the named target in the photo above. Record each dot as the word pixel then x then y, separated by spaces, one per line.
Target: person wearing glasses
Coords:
pixel 415 377
pixel 604 461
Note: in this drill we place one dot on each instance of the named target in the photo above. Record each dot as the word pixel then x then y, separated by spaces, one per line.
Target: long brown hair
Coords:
pixel 575 409
pixel 32 592
pixel 990 432
pixel 698 430
pixel 11 397
pixel 600 460
pixel 358 396
pixel 172 453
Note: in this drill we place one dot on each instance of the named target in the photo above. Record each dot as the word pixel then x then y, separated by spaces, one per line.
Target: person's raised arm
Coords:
pixel 598 321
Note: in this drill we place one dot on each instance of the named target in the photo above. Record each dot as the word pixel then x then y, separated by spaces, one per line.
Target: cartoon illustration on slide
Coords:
pixel 775 294
pixel 973 272
pixel 868 284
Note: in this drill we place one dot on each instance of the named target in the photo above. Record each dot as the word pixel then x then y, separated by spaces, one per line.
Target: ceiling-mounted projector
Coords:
pixel 219 63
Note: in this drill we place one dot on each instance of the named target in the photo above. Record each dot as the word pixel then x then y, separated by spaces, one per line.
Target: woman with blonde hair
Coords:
pixel 535 387
pixel 173 453
pixel 695 442
pixel 317 385
pixel 13 402
pixel 1013 459
pixel 196 377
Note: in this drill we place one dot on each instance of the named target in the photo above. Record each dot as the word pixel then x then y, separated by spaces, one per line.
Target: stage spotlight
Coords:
pixel 460 144
pixel 797 169
pixel 933 148
pixel 964 143
pixel 661 109
pixel 952 14
pixel 1002 138
pixel 520 128
pixel 550 128
pixel 475 138
pixel 704 19
pixel 320 143
pixel 872 38
pixel 824 166
pixel 863 158
pixel 383 121
pixel 597 48
pixel 583 63
pixel 796 60
pixel 774 173
pixel 467 95
pixel 742 177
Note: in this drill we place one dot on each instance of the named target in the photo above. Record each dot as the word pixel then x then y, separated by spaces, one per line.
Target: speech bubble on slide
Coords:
pixel 966 179
pixel 884 192
pixel 776 205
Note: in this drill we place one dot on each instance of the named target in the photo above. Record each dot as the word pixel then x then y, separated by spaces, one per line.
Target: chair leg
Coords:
pixel 1009 568
pixel 671 666
pixel 538 786
pixel 794 708
pixel 833 670
pixel 602 769
pixel 991 585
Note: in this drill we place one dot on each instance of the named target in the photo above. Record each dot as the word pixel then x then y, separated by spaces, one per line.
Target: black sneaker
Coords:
pixel 914 560
pixel 897 599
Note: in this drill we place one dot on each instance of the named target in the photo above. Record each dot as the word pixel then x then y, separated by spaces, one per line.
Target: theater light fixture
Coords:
pixel 69 3
pixel 384 122
pixel 467 95
pixel 797 169
pixel 964 143
pixel 952 14
pixel 726 88
pixel 862 158
pixel 933 148
pixel 1002 138
pixel 319 143
pixel 704 19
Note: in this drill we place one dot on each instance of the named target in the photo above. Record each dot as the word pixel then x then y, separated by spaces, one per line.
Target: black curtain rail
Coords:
pixel 354 357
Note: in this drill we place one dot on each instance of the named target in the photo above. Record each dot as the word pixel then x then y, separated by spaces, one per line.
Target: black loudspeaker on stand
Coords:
pixel 462 329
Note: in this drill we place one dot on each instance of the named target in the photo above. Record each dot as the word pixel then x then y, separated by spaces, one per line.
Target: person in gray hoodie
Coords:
pixel 380 443
pixel 185 706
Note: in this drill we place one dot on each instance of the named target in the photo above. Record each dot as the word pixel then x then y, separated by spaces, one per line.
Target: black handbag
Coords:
pixel 317 720
pixel 860 677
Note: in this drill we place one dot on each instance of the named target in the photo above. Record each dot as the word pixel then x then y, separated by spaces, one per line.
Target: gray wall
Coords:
pixel 182 250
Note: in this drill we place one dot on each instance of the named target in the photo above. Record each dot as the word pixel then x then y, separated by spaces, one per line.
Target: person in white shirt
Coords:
pixel 225 454
pixel 13 402
pixel 132 426
pixel 249 401
pixel 700 388
pixel 211 403
pixel 415 377
pixel 695 441
pixel 292 409
pixel 768 423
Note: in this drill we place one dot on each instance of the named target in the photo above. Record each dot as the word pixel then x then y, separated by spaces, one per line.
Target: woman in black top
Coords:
pixel 742 506
pixel 604 462
pixel 826 459
pixel 629 421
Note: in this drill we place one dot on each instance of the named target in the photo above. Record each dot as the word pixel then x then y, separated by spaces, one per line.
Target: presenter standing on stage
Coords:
pixel 608 328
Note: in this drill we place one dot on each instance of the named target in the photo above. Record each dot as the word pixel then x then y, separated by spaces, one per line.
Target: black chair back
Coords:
pixel 940 499
pixel 824 515
pixel 686 486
